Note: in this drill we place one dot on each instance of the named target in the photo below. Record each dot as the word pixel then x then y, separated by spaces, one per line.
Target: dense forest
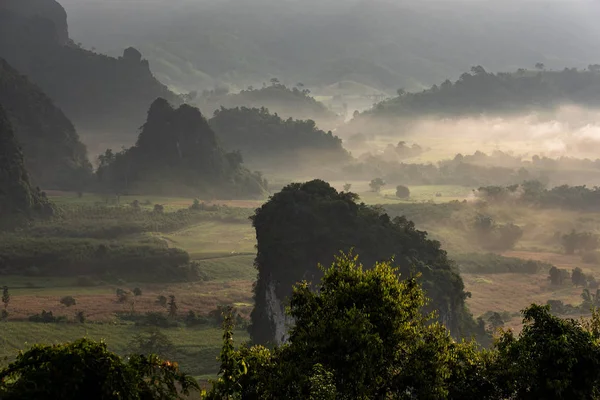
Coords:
pixel 98 93
pixel 54 156
pixel 293 102
pixel 479 91
pixel 177 153
pixel 19 201
pixel 266 140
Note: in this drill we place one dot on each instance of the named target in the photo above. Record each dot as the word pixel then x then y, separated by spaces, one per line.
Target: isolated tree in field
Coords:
pixel 68 301
pixel 122 295
pixel 496 321
pixel 376 184
pixel 85 369
pixel 540 66
pixel 172 306
pixel 578 277
pixel 80 317
pixel 347 187
pixel 5 297
pixel 159 209
pixel 161 301
pixel 137 291
pixel 558 276
pixel 402 192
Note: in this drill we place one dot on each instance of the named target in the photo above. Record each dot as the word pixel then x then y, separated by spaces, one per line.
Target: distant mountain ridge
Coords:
pixel 98 93
pixel 385 44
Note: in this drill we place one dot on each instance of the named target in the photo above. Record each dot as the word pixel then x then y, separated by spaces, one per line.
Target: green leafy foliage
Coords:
pixel 68 256
pixel 267 140
pixel 477 263
pixel 86 369
pixel 177 152
pixel 552 358
pixel 304 224
pixel 359 334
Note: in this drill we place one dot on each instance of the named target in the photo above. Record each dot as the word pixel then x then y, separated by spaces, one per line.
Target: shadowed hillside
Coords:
pixel 18 200
pixel 54 156
pixel 98 93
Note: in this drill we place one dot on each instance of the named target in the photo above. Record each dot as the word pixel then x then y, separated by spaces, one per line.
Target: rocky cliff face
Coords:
pixel 18 200
pixel 54 155
pixel 100 94
pixel 49 10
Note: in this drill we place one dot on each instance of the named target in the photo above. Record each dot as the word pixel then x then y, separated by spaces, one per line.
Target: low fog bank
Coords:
pixel 570 131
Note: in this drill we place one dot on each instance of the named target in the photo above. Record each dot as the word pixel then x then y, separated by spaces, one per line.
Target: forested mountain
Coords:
pixel 483 92
pixel 293 102
pixel 306 224
pixel 267 141
pixel 54 155
pixel 177 153
pixel 98 93
pixel 387 44
pixel 18 200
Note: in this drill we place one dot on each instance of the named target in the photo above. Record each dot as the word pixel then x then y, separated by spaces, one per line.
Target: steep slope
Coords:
pixel 54 156
pixel 177 153
pixel 98 93
pixel 18 200
pixel 267 141
pixel 387 44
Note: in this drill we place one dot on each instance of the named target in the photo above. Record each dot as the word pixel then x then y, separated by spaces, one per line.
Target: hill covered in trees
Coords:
pixel 479 91
pixel 265 140
pixel 288 102
pixel 306 224
pixel 177 153
pixel 18 200
pixel 54 156
pixel 98 93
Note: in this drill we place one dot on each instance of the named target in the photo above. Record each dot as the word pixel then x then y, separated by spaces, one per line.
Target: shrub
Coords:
pixel 191 319
pixel 68 301
pixel 490 263
pixel 376 184
pixel 46 318
pixel 85 281
pixel 155 319
pixel 122 295
pixel 161 301
pixel 402 192
pixel 80 317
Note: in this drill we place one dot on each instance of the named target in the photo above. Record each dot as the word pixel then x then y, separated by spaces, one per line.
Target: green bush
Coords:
pixel 71 256
pixel 46 318
pixel 476 263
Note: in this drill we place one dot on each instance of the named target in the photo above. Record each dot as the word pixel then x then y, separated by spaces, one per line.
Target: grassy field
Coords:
pixel 224 250
pixel 196 349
